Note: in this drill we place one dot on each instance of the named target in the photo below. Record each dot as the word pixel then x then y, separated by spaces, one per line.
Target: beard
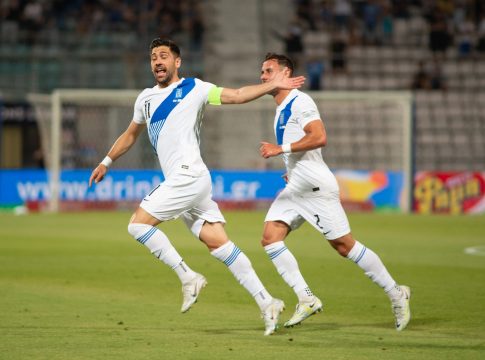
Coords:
pixel 165 81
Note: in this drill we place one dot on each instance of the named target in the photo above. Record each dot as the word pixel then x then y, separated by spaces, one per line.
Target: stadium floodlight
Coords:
pixel 367 130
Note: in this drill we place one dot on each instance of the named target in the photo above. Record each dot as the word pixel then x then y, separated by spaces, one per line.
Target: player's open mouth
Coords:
pixel 160 71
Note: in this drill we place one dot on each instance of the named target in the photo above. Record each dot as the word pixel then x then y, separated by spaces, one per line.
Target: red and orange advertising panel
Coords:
pixel 449 192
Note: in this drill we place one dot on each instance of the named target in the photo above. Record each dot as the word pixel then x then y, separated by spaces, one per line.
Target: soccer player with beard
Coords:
pixel 172 112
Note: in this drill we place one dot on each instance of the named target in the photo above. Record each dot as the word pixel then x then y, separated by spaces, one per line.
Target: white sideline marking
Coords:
pixel 475 250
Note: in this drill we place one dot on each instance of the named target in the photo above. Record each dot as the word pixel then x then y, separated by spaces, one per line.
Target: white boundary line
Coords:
pixel 475 250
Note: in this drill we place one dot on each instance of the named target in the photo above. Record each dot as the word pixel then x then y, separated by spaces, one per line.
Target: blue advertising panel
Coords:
pixel 377 190
pixel 20 186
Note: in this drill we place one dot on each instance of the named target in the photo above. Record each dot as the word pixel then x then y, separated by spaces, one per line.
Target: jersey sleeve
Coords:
pixel 138 115
pixel 308 111
pixel 212 93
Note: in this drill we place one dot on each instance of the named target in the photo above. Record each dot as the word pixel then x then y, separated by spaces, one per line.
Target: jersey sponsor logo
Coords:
pixel 283 120
pixel 166 107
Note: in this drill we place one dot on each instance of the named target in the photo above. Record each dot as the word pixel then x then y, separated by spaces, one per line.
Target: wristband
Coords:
pixel 107 161
pixel 286 148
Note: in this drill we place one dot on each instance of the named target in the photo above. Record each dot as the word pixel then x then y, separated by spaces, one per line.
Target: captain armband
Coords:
pixel 214 97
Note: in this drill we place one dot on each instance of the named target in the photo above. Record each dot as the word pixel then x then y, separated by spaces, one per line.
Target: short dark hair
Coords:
pixel 165 42
pixel 282 60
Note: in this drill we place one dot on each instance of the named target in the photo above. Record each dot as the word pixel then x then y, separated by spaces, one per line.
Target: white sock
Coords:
pixel 395 293
pixel 287 267
pixel 240 266
pixel 373 267
pixel 160 246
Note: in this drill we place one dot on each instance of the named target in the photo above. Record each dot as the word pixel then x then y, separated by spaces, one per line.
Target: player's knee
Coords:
pixel 342 250
pixel 343 245
pixel 268 238
pixel 264 241
pixel 137 230
pixel 274 231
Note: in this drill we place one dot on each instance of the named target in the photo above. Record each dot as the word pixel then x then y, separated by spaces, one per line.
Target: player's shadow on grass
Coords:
pixel 307 327
pixel 416 324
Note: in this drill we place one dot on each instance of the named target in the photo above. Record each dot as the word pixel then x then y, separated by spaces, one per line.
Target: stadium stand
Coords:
pixel 361 45
pixel 54 44
pixel 389 44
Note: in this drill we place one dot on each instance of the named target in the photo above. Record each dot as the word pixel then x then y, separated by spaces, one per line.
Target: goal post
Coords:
pixel 397 108
pixel 367 130
pixel 50 116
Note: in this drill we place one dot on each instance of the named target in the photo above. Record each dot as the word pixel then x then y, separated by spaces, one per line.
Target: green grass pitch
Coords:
pixel 77 286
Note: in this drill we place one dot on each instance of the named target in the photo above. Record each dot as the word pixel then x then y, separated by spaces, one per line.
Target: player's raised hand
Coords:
pixel 268 150
pixel 281 81
pixel 98 174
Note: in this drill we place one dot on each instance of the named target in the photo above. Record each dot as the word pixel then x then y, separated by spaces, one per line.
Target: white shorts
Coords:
pixel 322 210
pixel 186 196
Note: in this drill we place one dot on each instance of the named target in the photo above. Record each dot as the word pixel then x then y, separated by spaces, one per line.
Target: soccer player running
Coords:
pixel 312 194
pixel 172 111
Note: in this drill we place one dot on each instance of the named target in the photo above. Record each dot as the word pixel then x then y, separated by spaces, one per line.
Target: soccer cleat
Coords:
pixel 401 309
pixel 191 291
pixel 303 311
pixel 271 315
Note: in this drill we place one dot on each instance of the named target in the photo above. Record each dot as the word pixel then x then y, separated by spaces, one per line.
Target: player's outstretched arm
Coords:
pixel 315 137
pixel 121 146
pixel 251 92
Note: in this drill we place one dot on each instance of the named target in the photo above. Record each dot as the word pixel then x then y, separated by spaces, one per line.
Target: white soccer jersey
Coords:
pixel 173 117
pixel 306 169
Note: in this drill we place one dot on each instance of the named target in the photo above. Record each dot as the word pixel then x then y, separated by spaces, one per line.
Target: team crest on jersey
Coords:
pixel 282 118
pixel 281 121
pixel 178 95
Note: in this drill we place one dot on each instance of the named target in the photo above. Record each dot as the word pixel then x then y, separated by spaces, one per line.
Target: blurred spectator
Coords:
pixel 338 47
pixel 439 35
pixel 371 15
pixel 421 78
pixel 465 33
pixel 342 11
pixel 400 9
pixel 32 19
pixel 429 77
pixel 305 12
pixel 438 81
pixel 386 26
pixel 481 34
pixel 196 32
pixel 325 14
pixel 293 41
pixel 315 68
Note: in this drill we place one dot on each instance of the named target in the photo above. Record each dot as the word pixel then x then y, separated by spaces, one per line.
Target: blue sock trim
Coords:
pixel 362 252
pixel 276 253
pixel 144 238
pixel 231 258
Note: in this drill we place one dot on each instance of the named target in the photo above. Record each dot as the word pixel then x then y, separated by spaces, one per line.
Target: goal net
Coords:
pixel 366 131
